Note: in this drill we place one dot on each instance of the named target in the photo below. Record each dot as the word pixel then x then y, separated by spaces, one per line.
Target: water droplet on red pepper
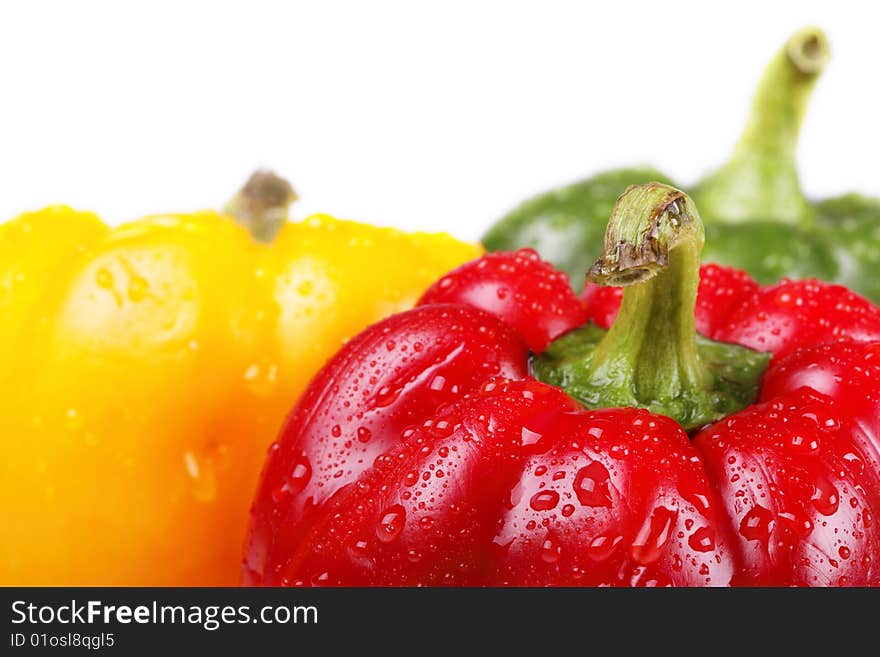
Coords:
pixel 359 548
pixel 591 485
pixel 544 500
pixel 702 540
pixel 550 550
pixel 653 536
pixel 385 397
pixel 529 437
pixel 825 497
pixel 391 523
pixel 320 579
pixel 300 475
pixel 602 546
pixel 757 524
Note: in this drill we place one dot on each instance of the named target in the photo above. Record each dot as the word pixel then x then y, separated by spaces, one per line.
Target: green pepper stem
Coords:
pixel 652 246
pixel 262 204
pixel 760 180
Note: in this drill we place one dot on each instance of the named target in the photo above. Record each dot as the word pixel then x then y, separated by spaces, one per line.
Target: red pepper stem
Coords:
pixel 262 204
pixel 760 180
pixel 652 246
pixel 652 357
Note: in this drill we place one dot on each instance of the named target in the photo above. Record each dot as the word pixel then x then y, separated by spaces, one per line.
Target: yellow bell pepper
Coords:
pixel 145 370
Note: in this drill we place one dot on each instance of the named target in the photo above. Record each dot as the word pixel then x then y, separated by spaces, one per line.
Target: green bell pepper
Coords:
pixel 755 214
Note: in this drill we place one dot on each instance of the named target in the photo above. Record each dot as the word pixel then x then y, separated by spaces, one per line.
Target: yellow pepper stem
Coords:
pixel 262 204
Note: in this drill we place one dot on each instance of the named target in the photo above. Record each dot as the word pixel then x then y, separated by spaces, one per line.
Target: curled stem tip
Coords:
pixel 647 222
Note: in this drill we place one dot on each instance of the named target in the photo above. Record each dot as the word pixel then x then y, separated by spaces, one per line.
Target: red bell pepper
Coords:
pixel 491 437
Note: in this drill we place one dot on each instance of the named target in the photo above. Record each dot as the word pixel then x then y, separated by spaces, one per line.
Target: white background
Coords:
pixel 435 116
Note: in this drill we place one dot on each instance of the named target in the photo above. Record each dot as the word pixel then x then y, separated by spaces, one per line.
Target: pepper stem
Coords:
pixel 652 356
pixel 262 204
pixel 760 180
pixel 652 246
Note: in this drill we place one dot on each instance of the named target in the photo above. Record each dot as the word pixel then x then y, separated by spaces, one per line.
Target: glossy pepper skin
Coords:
pixel 756 215
pixel 146 368
pixel 427 453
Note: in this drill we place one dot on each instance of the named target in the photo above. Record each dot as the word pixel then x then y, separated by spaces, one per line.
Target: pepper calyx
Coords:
pixel 652 356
